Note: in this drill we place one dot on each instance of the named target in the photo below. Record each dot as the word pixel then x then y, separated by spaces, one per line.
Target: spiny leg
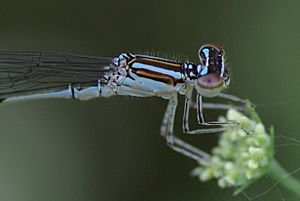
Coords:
pixel 200 117
pixel 225 106
pixel 186 111
pixel 200 105
pixel 220 106
pixel 232 98
pixel 174 142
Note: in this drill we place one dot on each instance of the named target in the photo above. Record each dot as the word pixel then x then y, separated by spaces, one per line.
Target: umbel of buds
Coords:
pixel 243 154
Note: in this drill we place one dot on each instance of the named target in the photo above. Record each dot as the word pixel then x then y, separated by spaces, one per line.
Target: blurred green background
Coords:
pixel 110 149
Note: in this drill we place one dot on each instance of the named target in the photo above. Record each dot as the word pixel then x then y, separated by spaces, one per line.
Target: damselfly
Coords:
pixel 33 75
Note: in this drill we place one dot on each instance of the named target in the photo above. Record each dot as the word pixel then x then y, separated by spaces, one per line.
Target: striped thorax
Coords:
pixel 142 75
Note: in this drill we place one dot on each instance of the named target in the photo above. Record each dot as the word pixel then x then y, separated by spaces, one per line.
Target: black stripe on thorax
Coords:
pixel 167 65
pixel 159 62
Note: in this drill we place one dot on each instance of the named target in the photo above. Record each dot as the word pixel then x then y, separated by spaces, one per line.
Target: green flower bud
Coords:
pixel 242 155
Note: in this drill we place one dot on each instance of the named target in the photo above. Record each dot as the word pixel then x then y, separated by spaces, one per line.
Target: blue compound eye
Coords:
pixel 211 55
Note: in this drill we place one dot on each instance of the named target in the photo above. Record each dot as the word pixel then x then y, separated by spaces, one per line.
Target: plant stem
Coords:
pixel 285 178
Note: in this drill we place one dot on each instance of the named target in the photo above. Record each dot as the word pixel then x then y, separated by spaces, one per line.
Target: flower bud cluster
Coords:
pixel 242 155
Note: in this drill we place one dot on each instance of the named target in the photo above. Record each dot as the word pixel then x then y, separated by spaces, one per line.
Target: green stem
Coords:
pixel 285 178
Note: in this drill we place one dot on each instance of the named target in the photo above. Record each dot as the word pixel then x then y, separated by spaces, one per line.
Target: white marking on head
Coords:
pixel 206 53
pixel 199 68
pixel 204 71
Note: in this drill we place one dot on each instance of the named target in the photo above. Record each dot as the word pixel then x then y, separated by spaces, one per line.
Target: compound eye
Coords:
pixel 209 81
pixel 211 55
pixel 209 85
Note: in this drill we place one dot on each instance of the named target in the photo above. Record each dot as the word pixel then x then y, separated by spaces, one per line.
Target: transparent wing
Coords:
pixel 25 73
